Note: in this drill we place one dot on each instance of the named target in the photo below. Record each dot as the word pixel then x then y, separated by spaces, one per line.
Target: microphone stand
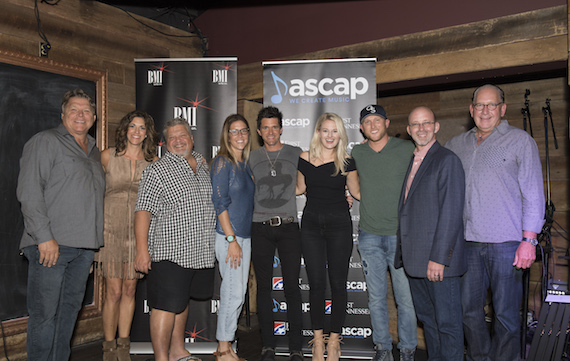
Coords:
pixel 549 212
pixel 526 112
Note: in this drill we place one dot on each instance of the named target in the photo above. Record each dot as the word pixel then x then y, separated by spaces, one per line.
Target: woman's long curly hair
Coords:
pixel 149 143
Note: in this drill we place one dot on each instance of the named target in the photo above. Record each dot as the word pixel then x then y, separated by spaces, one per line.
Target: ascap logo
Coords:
pixel 356 332
pixel 188 113
pixel 279 306
pixel 276 262
pixel 296 122
pixel 154 77
pixel 220 76
pixel 356 286
pixel 278 283
pixel 279 328
pixel 319 90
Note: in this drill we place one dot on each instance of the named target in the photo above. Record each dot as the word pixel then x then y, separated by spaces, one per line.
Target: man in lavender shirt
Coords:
pixel 504 211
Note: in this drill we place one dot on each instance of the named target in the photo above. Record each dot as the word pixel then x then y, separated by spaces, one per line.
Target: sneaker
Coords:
pixel 382 354
pixel 268 354
pixel 407 355
pixel 296 356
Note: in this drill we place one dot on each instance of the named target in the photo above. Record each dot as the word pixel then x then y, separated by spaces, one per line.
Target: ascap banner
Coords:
pixel 303 90
pixel 204 92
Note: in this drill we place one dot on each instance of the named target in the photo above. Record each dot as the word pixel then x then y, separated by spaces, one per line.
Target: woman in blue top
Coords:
pixel 326 228
pixel 232 195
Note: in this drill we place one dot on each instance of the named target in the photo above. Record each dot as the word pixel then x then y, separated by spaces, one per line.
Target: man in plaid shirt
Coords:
pixel 174 228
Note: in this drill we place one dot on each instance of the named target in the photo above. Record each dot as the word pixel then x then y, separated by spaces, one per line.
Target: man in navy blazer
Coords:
pixel 430 237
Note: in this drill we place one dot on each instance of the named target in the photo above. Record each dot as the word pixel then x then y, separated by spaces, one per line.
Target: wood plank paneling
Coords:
pixel 93 35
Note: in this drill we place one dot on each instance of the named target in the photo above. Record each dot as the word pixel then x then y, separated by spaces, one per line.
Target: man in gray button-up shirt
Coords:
pixel 61 188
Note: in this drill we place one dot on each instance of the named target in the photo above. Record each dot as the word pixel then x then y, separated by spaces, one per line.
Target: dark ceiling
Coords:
pixel 182 13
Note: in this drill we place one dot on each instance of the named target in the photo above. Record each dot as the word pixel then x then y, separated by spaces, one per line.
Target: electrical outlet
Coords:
pixel 44 49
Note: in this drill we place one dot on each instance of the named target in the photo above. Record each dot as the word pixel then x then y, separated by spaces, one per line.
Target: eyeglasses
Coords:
pixel 235 132
pixel 490 106
pixel 424 125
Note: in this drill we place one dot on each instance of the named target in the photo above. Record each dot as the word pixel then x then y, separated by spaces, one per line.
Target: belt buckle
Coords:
pixel 275 221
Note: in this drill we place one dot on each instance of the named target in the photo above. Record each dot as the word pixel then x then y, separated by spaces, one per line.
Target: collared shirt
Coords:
pixel 419 156
pixel 61 189
pixel 182 224
pixel 504 192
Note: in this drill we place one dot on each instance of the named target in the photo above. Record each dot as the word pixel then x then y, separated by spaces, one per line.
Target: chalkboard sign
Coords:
pixel 30 101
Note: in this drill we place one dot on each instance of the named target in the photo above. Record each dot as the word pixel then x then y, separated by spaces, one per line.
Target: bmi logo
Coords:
pixel 279 328
pixel 215 150
pixel 278 283
pixel 154 77
pixel 214 306
pixel 328 307
pixel 188 113
pixel 220 76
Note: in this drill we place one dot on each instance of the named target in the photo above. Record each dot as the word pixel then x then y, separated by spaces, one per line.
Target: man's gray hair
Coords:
pixel 173 122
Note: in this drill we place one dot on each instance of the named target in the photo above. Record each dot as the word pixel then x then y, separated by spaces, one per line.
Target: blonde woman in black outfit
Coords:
pixel 326 228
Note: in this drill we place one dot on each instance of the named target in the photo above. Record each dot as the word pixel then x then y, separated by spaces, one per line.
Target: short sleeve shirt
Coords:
pixel 182 227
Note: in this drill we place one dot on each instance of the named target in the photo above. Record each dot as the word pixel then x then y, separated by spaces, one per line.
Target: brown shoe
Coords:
pixel 124 349
pixel 110 350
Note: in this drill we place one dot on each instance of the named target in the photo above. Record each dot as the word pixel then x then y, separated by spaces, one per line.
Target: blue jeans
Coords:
pixel 233 287
pixel 55 296
pixel 377 254
pixel 438 307
pixel 491 265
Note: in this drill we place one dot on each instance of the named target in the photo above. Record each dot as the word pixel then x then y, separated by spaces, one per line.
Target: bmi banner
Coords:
pixel 204 92
pixel 303 90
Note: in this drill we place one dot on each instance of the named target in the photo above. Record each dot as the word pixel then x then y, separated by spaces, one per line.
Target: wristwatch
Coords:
pixel 532 241
pixel 230 238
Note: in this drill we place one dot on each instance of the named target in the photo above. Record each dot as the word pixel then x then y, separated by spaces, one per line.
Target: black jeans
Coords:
pixel 286 239
pixel 327 239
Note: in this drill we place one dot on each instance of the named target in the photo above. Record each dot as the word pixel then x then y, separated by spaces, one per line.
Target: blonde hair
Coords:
pixel 340 155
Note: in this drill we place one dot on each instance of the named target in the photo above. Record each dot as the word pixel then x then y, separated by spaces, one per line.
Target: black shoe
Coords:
pixel 296 356
pixel 268 354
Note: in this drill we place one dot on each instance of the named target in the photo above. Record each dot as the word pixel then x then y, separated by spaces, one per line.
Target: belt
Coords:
pixel 277 221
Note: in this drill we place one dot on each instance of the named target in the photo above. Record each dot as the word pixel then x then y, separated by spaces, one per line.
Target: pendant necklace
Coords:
pixel 272 164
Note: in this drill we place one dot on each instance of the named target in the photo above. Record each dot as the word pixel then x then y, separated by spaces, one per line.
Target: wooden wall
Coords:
pixel 441 68
pixel 92 35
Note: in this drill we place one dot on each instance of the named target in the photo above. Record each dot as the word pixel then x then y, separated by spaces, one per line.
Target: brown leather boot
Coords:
pixel 110 350
pixel 123 349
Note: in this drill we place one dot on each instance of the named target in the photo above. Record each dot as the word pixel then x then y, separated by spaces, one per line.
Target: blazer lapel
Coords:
pixel 423 167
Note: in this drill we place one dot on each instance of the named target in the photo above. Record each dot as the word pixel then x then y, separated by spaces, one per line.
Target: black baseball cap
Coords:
pixel 372 109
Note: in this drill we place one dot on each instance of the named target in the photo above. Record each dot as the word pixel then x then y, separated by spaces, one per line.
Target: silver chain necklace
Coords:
pixel 272 164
